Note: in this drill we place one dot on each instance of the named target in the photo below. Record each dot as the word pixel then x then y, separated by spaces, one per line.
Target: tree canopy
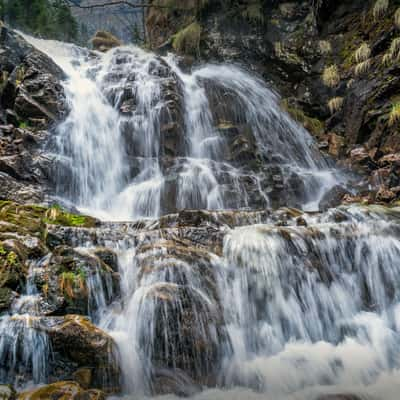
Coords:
pixel 45 18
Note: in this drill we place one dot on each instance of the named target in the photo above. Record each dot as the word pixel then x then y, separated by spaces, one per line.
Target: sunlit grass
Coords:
pixel 330 76
pixel 394 116
pixel 335 104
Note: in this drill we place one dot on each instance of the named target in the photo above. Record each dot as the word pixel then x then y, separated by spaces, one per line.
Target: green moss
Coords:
pixel 187 41
pixel 32 219
pixel 12 259
pixel 23 125
pixel 314 125
pixel 254 13
pixel 58 216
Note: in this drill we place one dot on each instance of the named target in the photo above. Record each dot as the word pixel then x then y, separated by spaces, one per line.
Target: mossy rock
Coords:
pixel 7 392
pixel 13 269
pixel 58 216
pixel 187 41
pixel 67 390
pixel 25 219
pixel 32 219
pixel 65 282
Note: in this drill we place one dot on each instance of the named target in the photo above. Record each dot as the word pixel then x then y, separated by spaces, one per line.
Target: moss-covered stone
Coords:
pixel 67 390
pixel 313 125
pixel 58 216
pixel 187 41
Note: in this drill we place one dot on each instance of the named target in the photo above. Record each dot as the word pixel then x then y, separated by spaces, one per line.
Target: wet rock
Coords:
pixel 385 195
pixel 6 298
pixel 194 329
pixel 31 97
pixel 336 145
pixel 108 256
pixel 338 397
pixel 333 198
pixel 81 344
pixel 62 390
pixel 177 382
pixel 83 376
pixel 76 283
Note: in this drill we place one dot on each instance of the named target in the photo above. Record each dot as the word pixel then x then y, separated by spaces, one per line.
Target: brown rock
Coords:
pixel 389 159
pixel 82 343
pixel 104 41
pixel 336 145
pixel 83 376
pixel 385 195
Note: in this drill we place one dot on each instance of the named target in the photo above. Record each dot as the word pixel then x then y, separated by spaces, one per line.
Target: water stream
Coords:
pixel 285 311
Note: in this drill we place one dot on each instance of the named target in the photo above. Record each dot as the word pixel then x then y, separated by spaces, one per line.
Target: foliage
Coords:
pixel 330 76
pixel 394 116
pixel 45 18
pixel 187 41
pixel 72 283
pixel 335 104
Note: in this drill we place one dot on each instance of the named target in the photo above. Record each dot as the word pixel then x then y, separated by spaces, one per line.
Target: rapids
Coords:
pixel 292 312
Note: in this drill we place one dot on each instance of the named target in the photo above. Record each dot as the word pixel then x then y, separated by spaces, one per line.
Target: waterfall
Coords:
pixel 286 304
pixel 143 138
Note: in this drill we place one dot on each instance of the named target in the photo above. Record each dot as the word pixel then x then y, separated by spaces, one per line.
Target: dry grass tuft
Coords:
pixel 394 50
pixel 335 104
pixel 397 18
pixel 325 47
pixel 380 8
pixel 330 76
pixel 394 116
pixel 362 68
pixel 362 53
pixel 386 59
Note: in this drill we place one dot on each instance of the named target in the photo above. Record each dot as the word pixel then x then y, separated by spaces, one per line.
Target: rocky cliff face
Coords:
pixel 334 63
pixel 32 100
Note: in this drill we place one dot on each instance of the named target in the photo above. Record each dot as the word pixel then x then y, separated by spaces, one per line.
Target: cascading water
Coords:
pixel 286 310
pixel 142 138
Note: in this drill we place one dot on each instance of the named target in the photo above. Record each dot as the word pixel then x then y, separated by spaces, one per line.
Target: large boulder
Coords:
pixel 77 344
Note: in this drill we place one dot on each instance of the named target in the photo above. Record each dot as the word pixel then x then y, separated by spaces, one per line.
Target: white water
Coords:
pixel 307 311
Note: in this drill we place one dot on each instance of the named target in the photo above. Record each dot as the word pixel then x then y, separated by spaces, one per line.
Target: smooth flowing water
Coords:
pixel 143 138
pixel 281 312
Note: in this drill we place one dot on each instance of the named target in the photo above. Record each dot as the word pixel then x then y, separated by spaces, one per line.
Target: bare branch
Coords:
pixel 126 3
